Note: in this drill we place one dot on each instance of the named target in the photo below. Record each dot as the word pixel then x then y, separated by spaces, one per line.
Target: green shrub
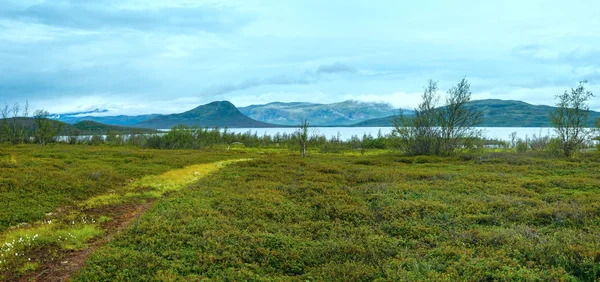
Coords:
pixel 522 146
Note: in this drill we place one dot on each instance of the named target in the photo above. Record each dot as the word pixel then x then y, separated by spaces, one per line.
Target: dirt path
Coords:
pixel 123 209
pixel 72 262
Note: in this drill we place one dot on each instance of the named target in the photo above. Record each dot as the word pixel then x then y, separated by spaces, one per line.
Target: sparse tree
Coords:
pixel 25 134
pixel 6 130
pixel 14 126
pixel 419 134
pixel 46 130
pixel 434 130
pixel 456 119
pixel 228 137
pixel 597 138
pixel 570 119
pixel 513 139
pixel 302 135
pixel 16 110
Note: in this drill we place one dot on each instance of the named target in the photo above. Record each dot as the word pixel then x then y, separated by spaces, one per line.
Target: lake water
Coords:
pixel 345 133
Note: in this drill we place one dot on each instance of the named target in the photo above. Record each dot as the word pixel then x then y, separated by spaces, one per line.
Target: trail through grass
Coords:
pixel 53 247
pixel 494 216
pixel 155 186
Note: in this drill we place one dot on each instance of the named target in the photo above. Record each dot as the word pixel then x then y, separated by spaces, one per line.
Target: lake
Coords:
pixel 346 133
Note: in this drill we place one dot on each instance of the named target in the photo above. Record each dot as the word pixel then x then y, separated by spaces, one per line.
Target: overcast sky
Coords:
pixel 165 56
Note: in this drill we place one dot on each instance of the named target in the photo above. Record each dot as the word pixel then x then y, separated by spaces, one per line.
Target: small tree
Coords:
pixel 228 137
pixel 6 130
pixel 457 121
pixel 437 130
pixel 597 138
pixel 419 134
pixel 302 135
pixel 25 133
pixel 570 119
pixel 16 110
pixel 46 130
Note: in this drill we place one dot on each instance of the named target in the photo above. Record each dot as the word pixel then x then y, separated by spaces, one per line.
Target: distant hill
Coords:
pixel 220 113
pixel 499 113
pixel 121 120
pixel 81 128
pixel 343 113
pixel 91 127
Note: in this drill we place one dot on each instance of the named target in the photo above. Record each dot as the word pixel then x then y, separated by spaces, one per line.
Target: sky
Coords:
pixel 168 56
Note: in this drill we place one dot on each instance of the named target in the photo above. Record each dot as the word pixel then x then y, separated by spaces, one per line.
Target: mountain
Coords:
pixel 121 120
pixel 220 113
pixel 499 113
pixel 343 113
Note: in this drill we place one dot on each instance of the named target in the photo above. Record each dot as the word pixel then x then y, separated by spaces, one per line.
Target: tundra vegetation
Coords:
pixel 197 203
pixel 272 214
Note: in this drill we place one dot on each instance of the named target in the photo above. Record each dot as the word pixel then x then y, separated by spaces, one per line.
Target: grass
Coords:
pixel 155 186
pixel 277 216
pixel 35 181
pixel 363 218
pixel 20 248
pixel 56 199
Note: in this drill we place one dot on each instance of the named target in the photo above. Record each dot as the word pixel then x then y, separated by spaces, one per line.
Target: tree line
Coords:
pixel 450 127
pixel 18 128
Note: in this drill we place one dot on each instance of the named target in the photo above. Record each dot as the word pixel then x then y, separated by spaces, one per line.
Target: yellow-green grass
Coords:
pixel 58 211
pixel 347 216
pixel 374 217
pixel 155 186
pixel 36 180
pixel 67 233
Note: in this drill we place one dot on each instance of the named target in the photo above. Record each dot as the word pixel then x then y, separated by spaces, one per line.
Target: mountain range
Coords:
pixel 497 113
pixel 341 114
pixel 219 113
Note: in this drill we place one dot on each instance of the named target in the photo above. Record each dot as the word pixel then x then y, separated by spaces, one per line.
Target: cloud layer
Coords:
pixel 160 56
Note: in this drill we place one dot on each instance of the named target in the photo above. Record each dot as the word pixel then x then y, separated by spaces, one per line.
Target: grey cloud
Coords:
pixel 255 82
pixel 527 49
pixel 546 54
pixel 308 77
pixel 59 83
pixel 582 57
pixel 593 78
pixel 334 68
pixel 91 15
